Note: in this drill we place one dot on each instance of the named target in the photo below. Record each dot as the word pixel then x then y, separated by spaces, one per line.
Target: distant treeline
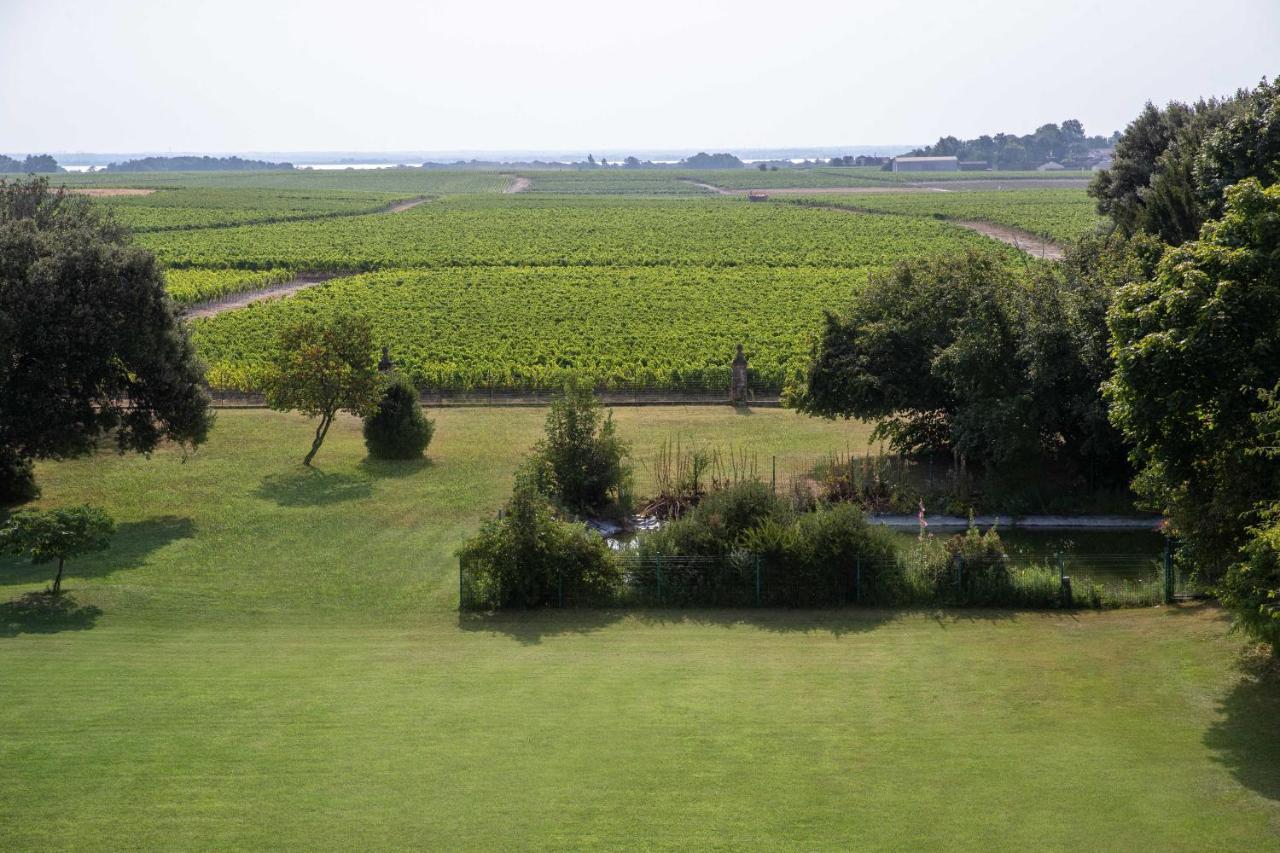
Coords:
pixel 196 164
pixel 34 163
pixel 1065 144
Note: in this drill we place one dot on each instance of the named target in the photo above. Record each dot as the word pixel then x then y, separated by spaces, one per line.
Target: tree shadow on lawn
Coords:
pixel 1247 733
pixel 311 487
pixel 529 627
pixel 130 545
pixel 41 613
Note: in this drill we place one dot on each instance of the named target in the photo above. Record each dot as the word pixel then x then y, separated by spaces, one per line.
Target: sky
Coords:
pixel 554 75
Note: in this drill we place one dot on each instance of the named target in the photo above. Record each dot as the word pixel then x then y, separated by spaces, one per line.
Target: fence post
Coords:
pixel 757 580
pixel 1168 571
pixel 1062 568
pixel 773 481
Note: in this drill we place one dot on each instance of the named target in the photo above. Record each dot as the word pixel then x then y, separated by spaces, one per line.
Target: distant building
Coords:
pixel 1051 166
pixel 1104 163
pixel 926 164
pixel 974 166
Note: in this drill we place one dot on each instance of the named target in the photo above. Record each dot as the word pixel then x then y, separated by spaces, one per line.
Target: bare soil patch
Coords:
pixel 518 184
pixel 105 192
pixel 240 300
pixel 1019 239
pixel 715 189
pixel 400 206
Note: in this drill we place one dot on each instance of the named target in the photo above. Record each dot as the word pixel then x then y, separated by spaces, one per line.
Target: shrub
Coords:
pixel 583 461
pixel 397 429
pixel 969 568
pixel 828 556
pixel 808 558
pixel 715 526
pixel 529 558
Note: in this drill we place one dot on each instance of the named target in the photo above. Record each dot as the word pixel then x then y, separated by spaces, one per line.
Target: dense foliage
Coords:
pixel 397 429
pixel 703 160
pixel 964 355
pixel 31 164
pixel 195 164
pixel 89 346
pixel 321 366
pixel 581 463
pixel 57 534
pixel 1196 347
pixel 1173 164
pixel 1066 144
pixel 529 558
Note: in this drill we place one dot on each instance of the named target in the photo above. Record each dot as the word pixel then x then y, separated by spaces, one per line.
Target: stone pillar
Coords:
pixel 738 385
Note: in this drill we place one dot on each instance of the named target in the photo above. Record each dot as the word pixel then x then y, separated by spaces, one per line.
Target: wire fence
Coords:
pixel 745 579
pixel 503 392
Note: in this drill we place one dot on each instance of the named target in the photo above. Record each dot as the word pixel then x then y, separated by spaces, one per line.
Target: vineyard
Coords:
pixel 524 328
pixel 633 278
pixel 652 182
pixel 531 231
pixel 1059 214
pixel 182 208
pixel 402 182
pixel 189 286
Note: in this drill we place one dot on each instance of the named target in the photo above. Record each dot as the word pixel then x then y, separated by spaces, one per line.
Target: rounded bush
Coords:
pixel 398 429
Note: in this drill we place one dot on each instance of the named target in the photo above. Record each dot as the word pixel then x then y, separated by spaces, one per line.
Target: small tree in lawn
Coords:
pixel 56 534
pixel 322 367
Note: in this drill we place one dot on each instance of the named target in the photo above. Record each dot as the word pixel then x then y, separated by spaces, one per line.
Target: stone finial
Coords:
pixel 385 363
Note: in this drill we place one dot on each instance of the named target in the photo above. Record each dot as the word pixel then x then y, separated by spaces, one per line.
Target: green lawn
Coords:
pixel 272 660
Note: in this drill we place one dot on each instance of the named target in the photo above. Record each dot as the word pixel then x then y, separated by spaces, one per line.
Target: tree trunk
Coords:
pixel 321 431
pixel 57 579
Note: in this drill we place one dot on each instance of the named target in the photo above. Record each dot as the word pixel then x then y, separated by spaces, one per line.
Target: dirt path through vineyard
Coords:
pixel 240 300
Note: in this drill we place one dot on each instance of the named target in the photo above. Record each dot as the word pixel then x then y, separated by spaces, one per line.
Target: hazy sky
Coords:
pixel 262 75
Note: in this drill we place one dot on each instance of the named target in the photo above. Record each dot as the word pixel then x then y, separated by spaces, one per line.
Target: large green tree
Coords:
pixel 1173 165
pixel 1195 349
pixel 90 346
pixel 965 354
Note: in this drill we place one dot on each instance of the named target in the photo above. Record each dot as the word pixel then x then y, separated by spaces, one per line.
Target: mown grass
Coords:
pixel 270 658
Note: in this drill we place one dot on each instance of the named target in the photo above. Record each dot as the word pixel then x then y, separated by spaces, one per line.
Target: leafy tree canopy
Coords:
pixel 1195 349
pixel 57 534
pixel 323 366
pixel 962 353
pixel 1065 144
pixel 89 344
pixel 1173 165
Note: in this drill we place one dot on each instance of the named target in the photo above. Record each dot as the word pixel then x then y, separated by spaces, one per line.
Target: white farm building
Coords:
pixel 926 164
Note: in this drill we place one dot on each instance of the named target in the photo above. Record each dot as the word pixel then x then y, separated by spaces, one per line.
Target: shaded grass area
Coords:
pixel 271 660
